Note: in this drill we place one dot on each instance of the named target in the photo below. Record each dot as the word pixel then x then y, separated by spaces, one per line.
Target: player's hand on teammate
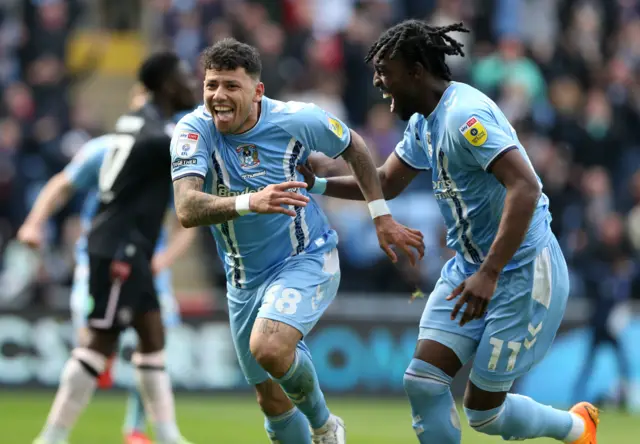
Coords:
pixel 476 291
pixel 391 233
pixel 272 198
pixel 31 235
pixel 307 173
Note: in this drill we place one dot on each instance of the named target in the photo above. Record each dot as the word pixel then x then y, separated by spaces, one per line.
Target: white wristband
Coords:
pixel 319 186
pixel 378 208
pixel 242 204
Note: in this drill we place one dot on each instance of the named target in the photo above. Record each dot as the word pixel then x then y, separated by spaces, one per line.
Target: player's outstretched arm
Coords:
pixel 53 196
pixel 394 177
pixel 196 208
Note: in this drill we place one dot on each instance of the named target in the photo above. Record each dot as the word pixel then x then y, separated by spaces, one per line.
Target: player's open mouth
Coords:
pixel 386 95
pixel 223 112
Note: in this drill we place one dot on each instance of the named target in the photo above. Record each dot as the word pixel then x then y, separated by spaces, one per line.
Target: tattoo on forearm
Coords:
pixel 196 208
pixel 363 168
pixel 268 326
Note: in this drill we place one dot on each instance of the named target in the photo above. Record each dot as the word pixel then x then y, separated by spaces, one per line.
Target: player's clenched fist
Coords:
pixel 273 197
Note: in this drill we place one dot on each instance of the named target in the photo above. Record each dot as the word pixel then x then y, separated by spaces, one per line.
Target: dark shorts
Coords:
pixel 115 302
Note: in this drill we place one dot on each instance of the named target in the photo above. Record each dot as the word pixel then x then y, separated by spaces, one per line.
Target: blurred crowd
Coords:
pixel 565 72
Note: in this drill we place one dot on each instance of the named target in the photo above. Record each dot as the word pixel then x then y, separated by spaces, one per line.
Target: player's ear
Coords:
pixel 417 70
pixel 259 92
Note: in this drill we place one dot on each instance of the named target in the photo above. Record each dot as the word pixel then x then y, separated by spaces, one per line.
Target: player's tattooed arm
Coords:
pixel 395 175
pixel 364 170
pixel 523 192
pixel 195 208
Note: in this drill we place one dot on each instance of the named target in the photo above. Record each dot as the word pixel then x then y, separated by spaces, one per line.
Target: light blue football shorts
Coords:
pixel 297 293
pixel 520 324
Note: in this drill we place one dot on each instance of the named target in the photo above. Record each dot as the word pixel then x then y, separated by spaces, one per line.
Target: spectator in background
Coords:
pixel 509 66
pixel 610 269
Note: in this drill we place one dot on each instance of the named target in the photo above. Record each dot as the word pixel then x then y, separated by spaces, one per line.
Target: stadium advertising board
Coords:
pixel 360 357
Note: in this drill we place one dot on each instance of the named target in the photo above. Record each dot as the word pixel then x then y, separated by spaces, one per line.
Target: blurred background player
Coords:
pixel 134 192
pixel 279 251
pixel 81 175
pixel 508 282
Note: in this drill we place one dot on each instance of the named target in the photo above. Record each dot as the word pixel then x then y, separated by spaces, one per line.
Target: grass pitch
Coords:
pixel 236 419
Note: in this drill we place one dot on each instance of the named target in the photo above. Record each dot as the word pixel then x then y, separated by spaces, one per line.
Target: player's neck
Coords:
pixel 252 120
pixel 164 107
pixel 434 95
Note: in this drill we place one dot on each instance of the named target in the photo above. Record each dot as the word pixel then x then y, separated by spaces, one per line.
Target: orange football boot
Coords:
pixel 136 438
pixel 591 417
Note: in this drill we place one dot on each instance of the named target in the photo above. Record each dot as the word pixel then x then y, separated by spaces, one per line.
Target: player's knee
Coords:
pixel 92 361
pixel 422 379
pixel 149 361
pixel 270 354
pixel 272 399
pixel 485 421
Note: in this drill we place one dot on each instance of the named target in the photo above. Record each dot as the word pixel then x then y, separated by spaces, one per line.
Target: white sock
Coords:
pixel 329 426
pixel 577 429
pixel 155 388
pixel 77 384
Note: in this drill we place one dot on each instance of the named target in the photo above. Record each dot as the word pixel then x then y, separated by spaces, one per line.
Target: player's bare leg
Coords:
pixel 77 385
pixel 275 345
pixel 153 379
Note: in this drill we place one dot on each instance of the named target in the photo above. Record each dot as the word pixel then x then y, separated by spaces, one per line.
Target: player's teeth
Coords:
pixel 386 95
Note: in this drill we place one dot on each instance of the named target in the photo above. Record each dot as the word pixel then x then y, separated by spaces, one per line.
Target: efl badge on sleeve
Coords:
pixel 336 127
pixel 187 144
pixel 248 155
pixel 474 132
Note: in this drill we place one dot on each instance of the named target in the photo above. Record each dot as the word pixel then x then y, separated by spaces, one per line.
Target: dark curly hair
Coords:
pixel 157 69
pixel 229 54
pixel 418 42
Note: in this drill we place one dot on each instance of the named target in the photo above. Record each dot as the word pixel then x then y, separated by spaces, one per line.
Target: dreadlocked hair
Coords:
pixel 418 42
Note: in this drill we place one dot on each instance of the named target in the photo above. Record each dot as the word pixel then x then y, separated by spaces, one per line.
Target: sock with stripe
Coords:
pixel 301 385
pixel 157 395
pixel 435 418
pixel 78 382
pixel 291 427
pixel 520 417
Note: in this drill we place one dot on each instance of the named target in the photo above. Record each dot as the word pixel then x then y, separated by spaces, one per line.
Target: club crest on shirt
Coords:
pixel 248 155
pixel 474 132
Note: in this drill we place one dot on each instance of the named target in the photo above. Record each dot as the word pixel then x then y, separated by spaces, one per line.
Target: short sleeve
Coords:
pixel 322 131
pixel 189 152
pixel 481 134
pixel 84 169
pixel 411 148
